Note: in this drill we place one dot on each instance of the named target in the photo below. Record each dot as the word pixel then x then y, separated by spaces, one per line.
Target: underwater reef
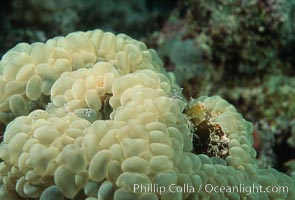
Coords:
pixel 241 51
pixel 94 115
pixel 37 20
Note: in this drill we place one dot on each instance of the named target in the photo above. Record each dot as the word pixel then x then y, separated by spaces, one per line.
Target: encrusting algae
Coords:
pixel 93 116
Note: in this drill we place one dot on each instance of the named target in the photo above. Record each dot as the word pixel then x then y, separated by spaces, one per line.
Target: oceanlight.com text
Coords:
pixel 208 188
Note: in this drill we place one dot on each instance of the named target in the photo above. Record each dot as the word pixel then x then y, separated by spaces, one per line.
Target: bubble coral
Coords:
pixel 115 119
pixel 29 71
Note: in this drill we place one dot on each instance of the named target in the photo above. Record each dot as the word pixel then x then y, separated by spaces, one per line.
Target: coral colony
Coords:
pixel 95 116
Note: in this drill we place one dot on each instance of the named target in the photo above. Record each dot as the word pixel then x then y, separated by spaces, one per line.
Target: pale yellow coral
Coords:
pixel 64 149
pixel 31 70
pixel 236 129
pixel 75 151
pixel 115 120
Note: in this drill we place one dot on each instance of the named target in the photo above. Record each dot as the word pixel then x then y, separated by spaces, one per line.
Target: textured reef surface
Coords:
pixel 242 51
pixel 95 115
pixel 101 91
